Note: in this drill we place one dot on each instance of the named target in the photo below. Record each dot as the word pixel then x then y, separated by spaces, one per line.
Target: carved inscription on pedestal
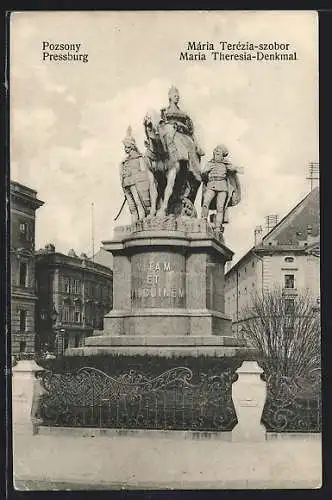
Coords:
pixel 158 280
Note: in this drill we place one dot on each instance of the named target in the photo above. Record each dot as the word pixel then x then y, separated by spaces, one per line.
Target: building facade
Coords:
pixel 288 256
pixel 74 294
pixel 23 206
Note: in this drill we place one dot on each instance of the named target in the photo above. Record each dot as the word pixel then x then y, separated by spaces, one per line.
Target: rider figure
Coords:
pixel 176 133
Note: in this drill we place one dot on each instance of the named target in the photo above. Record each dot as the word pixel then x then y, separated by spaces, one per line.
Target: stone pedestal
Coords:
pixel 25 393
pixel 249 396
pixel 168 287
pixel 168 283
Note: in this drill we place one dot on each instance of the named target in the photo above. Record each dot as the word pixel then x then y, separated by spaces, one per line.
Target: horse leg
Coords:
pixel 171 176
pixel 153 194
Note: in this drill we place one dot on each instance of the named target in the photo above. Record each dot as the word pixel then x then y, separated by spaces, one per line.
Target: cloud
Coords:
pixel 68 122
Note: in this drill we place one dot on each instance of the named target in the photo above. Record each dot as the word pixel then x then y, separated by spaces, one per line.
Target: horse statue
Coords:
pixel 173 156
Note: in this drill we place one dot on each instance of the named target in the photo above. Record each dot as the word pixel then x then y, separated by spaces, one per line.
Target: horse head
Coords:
pixel 153 142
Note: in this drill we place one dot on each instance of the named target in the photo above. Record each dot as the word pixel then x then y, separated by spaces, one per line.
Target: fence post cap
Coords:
pixel 27 365
pixel 249 367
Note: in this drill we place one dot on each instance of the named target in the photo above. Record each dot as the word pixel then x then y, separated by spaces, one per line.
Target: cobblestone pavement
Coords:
pixel 69 463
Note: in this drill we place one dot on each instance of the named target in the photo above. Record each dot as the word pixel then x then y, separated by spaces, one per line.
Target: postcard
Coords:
pixel 165 250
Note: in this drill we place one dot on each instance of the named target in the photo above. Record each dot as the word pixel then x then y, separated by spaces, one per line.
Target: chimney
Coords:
pixel 50 248
pixel 310 237
pixel 271 221
pixel 258 235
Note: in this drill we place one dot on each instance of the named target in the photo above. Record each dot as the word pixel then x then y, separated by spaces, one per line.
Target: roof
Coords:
pixel 293 228
pixel 53 258
pixel 292 232
pixel 25 194
pixel 104 258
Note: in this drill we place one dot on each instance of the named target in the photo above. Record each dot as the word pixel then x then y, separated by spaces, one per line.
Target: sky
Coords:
pixel 68 119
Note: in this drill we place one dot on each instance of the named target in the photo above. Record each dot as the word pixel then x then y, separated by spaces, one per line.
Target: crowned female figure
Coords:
pixel 176 133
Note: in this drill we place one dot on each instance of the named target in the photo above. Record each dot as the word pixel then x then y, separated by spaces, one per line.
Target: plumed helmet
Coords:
pixel 129 140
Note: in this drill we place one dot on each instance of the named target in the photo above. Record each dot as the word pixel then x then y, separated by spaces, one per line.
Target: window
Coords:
pixel 77 316
pixel 289 259
pixel 43 315
pixel 23 320
pixel 289 281
pixel 253 264
pixel 23 273
pixel 66 342
pixel 77 340
pixel 289 306
pixel 66 314
pixel 24 231
pixel 66 285
pixel 77 286
pixel 23 345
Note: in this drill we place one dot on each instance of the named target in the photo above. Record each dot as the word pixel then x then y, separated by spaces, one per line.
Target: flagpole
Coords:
pixel 92 231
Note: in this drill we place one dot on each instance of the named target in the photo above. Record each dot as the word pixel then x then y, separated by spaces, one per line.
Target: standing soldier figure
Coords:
pixel 221 187
pixel 136 180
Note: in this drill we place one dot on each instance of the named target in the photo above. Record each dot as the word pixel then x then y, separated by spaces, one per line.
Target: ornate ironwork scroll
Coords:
pixel 293 404
pixel 91 398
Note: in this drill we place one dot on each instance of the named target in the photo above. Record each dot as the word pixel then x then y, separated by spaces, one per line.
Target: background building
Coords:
pixel 104 258
pixel 287 256
pixel 74 293
pixel 24 203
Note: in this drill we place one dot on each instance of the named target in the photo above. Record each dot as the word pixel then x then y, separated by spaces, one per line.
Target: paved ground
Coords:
pixel 64 462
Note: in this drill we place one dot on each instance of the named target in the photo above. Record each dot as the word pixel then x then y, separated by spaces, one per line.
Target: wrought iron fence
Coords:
pixel 91 398
pixel 293 404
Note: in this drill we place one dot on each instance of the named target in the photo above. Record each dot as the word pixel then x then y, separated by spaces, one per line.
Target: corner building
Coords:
pixel 74 294
pixel 23 206
pixel 288 256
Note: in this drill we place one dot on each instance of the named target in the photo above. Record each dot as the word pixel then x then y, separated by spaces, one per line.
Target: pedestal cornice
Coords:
pixel 161 238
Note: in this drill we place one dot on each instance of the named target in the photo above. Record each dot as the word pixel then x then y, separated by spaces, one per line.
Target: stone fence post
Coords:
pixel 26 391
pixel 249 396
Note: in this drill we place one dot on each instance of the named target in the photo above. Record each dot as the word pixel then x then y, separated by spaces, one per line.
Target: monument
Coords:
pixel 168 281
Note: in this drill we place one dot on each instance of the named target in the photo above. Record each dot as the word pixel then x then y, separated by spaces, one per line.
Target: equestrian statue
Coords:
pixel 166 178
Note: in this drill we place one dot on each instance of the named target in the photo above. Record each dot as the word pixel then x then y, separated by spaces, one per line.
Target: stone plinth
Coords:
pixel 168 292
pixel 164 345
pixel 25 392
pixel 249 396
pixel 168 282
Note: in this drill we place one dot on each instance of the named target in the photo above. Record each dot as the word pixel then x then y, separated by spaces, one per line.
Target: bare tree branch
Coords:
pixel 285 331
